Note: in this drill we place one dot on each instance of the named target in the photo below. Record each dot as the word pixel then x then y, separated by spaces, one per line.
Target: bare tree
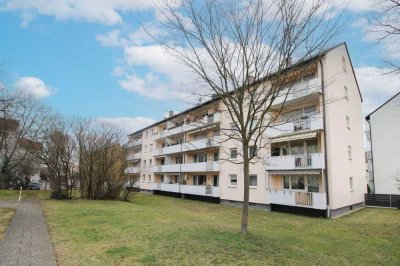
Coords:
pixel 385 26
pixel 59 154
pixel 22 121
pixel 101 160
pixel 241 52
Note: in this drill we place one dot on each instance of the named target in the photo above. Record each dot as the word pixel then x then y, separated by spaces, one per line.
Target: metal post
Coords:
pixel 20 194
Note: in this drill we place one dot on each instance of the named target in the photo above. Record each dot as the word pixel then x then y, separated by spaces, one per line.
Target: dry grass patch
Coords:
pixel 5 218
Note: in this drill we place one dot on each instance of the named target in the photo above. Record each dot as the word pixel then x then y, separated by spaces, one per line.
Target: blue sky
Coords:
pixel 92 59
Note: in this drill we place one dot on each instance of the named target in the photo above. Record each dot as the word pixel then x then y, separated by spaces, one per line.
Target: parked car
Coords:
pixel 34 186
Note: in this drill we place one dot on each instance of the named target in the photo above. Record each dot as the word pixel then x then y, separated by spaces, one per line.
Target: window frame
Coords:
pixel 256 185
pixel 233 176
pixel 236 153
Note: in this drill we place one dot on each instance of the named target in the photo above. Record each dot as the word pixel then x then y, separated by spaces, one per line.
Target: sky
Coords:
pixel 92 58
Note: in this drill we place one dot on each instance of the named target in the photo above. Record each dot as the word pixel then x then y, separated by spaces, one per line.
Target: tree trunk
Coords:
pixel 246 188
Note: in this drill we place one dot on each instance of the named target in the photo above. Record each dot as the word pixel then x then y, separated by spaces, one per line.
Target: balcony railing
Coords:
pixel 208 190
pixel 312 123
pixel 134 156
pixel 188 146
pixel 297 198
pixel 187 167
pixel 205 121
pixel 134 143
pixel 132 170
pixel 298 90
pixel 299 161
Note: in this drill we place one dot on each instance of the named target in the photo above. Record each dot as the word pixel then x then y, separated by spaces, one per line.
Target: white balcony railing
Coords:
pixel 134 143
pixel 200 190
pixel 188 146
pixel 297 198
pixel 134 156
pixel 299 161
pixel 312 123
pixel 201 167
pixel 298 90
pixel 187 167
pixel 132 170
pixel 206 121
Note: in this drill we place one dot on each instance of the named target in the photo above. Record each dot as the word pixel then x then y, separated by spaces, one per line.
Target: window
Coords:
pixel 313 183
pixel 216 157
pixel 349 152
pixel 312 146
pixel 348 122
pixel 253 180
pixel 344 64
pixel 150 162
pixel 233 128
pixel 254 122
pixel 351 183
pixel 144 163
pixel 285 150
pixel 294 182
pixel 179 159
pixel 275 151
pixel 149 177
pixel 297 148
pixel 151 147
pixel 252 151
pixel 199 180
pixel 233 153
pixel 233 180
pixel 200 158
pixel 346 93
pixel 215 181
pixel 145 148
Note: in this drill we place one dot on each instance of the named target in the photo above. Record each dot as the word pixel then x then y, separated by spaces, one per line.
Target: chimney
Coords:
pixel 289 61
pixel 170 113
pixel 250 79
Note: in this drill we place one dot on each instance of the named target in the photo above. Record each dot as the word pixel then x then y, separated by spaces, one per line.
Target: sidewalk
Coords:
pixel 26 241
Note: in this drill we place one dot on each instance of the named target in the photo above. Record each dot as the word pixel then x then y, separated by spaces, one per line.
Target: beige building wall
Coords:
pixel 338 74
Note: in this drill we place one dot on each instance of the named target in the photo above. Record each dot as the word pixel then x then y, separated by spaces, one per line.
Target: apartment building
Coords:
pixel 313 163
pixel 383 145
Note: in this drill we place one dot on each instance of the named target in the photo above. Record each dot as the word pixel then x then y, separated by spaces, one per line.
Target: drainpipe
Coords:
pixel 372 153
pixel 328 212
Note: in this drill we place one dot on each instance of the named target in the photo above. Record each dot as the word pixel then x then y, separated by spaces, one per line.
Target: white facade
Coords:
pixel 314 161
pixel 383 137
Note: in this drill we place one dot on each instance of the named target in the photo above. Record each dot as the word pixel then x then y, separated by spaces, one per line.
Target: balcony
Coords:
pixel 187 167
pixel 209 191
pixel 188 146
pixel 201 167
pixel 297 198
pixel 168 168
pixel 134 143
pixel 206 121
pixel 312 123
pixel 296 162
pixel 132 170
pixel 134 156
pixel 299 90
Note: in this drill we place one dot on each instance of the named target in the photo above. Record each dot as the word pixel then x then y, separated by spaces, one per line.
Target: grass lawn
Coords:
pixel 26 194
pixel 163 230
pixel 5 218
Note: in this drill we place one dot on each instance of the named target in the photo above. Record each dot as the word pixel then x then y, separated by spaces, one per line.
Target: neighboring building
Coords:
pixel 316 147
pixel 383 144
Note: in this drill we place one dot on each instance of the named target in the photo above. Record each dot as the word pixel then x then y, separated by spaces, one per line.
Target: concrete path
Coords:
pixel 26 241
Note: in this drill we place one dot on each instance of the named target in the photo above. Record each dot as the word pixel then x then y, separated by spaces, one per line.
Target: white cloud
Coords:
pixel 128 124
pixel 97 11
pixel 33 86
pixel 111 39
pixel 376 86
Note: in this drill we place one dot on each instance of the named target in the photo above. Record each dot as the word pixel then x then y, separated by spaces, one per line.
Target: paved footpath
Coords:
pixel 26 241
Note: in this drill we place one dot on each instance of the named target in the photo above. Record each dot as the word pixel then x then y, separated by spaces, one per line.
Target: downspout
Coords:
pixel 372 152
pixel 328 212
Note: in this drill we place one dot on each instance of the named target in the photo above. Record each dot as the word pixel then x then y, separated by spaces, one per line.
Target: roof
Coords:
pixel 368 116
pixel 315 57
